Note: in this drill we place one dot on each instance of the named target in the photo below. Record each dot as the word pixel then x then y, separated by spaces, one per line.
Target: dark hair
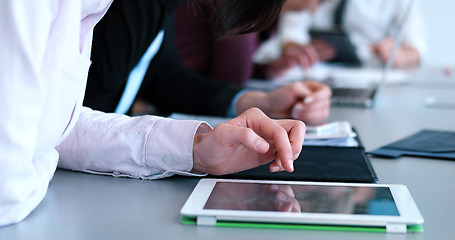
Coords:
pixel 234 17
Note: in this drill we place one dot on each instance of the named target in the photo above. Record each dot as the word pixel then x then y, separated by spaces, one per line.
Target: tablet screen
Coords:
pixel 302 198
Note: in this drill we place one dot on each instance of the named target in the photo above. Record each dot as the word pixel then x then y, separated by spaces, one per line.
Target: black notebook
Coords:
pixel 320 163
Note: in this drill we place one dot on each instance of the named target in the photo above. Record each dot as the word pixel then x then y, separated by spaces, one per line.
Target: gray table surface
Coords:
pixel 85 206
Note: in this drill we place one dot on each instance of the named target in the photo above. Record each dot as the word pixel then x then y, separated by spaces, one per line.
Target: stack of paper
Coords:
pixel 338 134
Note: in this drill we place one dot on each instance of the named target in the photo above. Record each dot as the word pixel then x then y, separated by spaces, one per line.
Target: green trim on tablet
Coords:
pixel 192 221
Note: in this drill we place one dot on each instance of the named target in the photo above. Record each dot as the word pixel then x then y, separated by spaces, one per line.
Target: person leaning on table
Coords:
pixel 123 36
pixel 44 61
pixel 231 59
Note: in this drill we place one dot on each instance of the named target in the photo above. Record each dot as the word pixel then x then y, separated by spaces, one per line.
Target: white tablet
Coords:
pixel 347 204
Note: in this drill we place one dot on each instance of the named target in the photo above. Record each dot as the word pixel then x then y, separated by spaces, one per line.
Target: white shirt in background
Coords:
pixel 366 21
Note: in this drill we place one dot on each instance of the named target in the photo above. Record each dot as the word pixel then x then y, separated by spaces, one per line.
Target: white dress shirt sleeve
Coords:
pixel 414 32
pixel 146 147
pixel 24 29
pixel 294 27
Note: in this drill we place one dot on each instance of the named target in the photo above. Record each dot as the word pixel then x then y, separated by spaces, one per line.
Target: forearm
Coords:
pixel 138 147
pixel 289 45
pixel 405 56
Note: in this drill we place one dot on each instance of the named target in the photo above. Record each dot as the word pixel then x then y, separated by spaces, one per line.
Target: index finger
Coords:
pixel 296 132
pixel 270 129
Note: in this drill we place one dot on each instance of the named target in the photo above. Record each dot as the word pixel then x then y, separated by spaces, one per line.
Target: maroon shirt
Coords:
pixel 227 60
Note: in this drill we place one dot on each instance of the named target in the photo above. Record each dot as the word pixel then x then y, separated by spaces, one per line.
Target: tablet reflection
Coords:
pixel 302 198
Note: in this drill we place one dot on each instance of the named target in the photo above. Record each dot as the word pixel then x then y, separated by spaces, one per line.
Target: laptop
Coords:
pixel 362 95
pixel 365 94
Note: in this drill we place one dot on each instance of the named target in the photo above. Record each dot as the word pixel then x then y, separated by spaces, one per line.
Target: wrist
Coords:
pixel 290 46
pixel 198 137
pixel 252 99
pixel 411 56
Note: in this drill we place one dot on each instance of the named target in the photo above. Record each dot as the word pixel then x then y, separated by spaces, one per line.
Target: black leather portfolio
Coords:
pixel 320 163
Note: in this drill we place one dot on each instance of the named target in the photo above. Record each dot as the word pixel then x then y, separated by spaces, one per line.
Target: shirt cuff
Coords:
pixel 170 147
pixel 232 113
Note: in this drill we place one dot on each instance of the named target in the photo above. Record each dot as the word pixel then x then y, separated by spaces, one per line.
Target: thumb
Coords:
pixel 301 91
pixel 297 110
